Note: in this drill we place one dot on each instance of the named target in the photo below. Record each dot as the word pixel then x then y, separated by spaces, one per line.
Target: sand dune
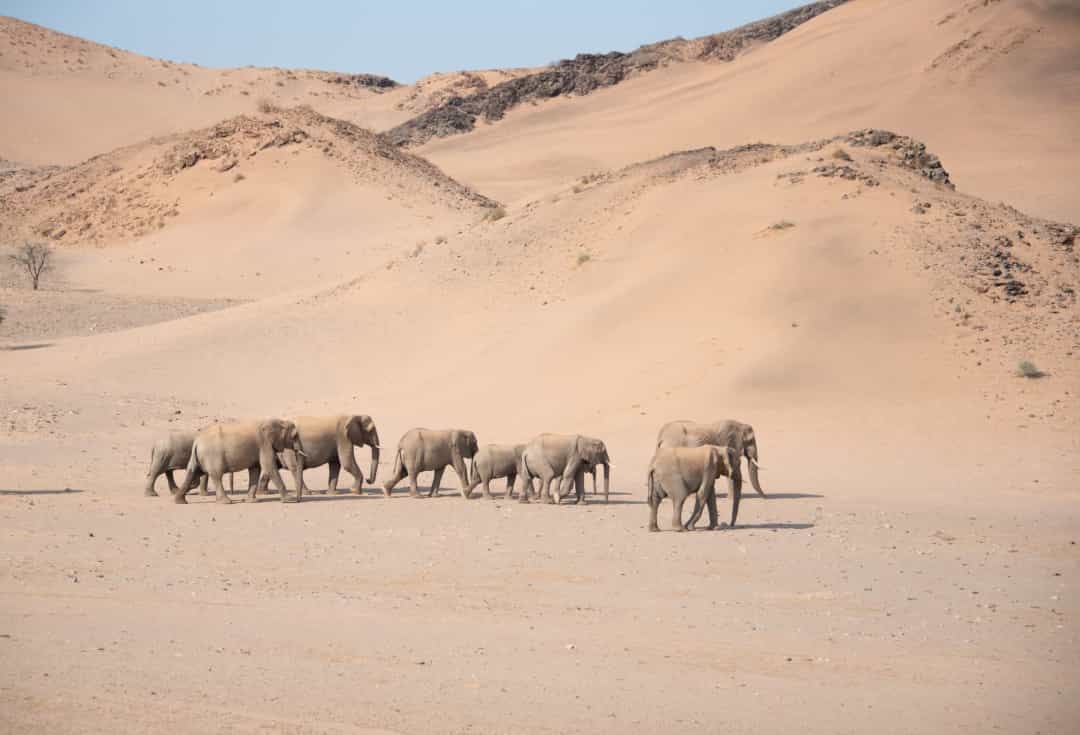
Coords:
pixel 863 302
pixel 991 87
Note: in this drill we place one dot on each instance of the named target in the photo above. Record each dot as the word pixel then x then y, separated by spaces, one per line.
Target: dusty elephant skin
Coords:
pixel 566 457
pixel 727 433
pixel 679 472
pixel 330 440
pixel 170 453
pixel 432 450
pixel 493 461
pixel 239 446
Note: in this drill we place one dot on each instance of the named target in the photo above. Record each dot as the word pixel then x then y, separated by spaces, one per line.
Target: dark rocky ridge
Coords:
pixel 586 73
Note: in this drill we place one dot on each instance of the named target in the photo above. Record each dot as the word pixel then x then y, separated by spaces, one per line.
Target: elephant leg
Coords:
pixel 579 487
pixel 401 474
pixel 678 500
pixel 332 478
pixel 253 478
pixel 714 522
pixel 485 485
pixel 545 489
pixel 348 463
pixel 149 490
pixel 436 480
pixel 414 489
pixel 510 480
pixel 701 499
pixel 171 480
pixel 736 496
pixel 654 505
pixel 204 481
pixel 219 489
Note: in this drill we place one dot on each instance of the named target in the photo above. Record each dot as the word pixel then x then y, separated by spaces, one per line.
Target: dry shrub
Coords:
pixel 1027 369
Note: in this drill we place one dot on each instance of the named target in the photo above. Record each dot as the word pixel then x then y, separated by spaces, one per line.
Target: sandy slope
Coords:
pixel 78 98
pixel 994 88
pixel 912 570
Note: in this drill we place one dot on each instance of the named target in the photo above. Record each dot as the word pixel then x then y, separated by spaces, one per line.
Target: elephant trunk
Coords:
pixel 607 480
pixel 751 459
pixel 374 462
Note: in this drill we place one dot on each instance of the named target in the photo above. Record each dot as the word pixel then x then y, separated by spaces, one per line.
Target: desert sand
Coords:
pixel 598 264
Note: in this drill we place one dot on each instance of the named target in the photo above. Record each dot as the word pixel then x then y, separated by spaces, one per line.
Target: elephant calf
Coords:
pixel 330 440
pixel 170 453
pixel 232 447
pixel 493 461
pixel 678 472
pixel 564 456
pixel 428 450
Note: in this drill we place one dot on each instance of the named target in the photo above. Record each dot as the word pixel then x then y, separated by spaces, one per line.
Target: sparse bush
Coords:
pixel 35 259
pixel 265 106
pixel 440 240
pixel 495 214
pixel 781 225
pixel 841 155
pixel 1027 369
pixel 583 258
pixel 238 177
pixel 417 250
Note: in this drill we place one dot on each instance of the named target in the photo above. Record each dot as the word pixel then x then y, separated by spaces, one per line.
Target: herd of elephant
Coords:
pixel 689 457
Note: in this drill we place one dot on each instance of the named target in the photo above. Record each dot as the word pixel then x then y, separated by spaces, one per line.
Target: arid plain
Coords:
pixel 727 231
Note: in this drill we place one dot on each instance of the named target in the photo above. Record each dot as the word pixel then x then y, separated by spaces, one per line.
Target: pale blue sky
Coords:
pixel 405 39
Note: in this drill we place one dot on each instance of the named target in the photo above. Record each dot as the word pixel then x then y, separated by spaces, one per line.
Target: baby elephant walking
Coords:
pixel 680 472
pixel 170 453
pixel 493 461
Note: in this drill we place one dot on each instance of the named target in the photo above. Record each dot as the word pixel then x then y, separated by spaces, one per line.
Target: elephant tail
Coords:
pixel 397 462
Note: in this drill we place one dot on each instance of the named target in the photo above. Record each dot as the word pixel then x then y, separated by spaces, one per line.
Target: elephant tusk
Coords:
pixel 301 453
pixel 754 462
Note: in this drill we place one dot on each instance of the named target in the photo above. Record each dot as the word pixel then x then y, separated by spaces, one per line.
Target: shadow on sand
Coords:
pixel 65 491
pixel 32 346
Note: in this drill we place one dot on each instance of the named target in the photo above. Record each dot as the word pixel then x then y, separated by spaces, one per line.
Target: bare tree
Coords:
pixel 35 258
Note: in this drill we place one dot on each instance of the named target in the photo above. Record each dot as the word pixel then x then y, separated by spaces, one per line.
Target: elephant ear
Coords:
pixel 272 432
pixel 354 429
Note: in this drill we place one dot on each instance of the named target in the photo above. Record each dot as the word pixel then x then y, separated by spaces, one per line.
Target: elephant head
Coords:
pixel 749 447
pixel 361 430
pixel 593 452
pixel 463 445
pixel 282 435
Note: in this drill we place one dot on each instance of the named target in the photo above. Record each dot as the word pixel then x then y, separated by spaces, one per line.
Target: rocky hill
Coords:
pixel 586 73
pixel 138 189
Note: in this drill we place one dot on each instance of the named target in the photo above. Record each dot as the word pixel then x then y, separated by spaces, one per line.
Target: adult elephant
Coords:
pixel 566 457
pixel 232 447
pixel 493 461
pixel 679 472
pixel 728 433
pixel 432 450
pixel 330 440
